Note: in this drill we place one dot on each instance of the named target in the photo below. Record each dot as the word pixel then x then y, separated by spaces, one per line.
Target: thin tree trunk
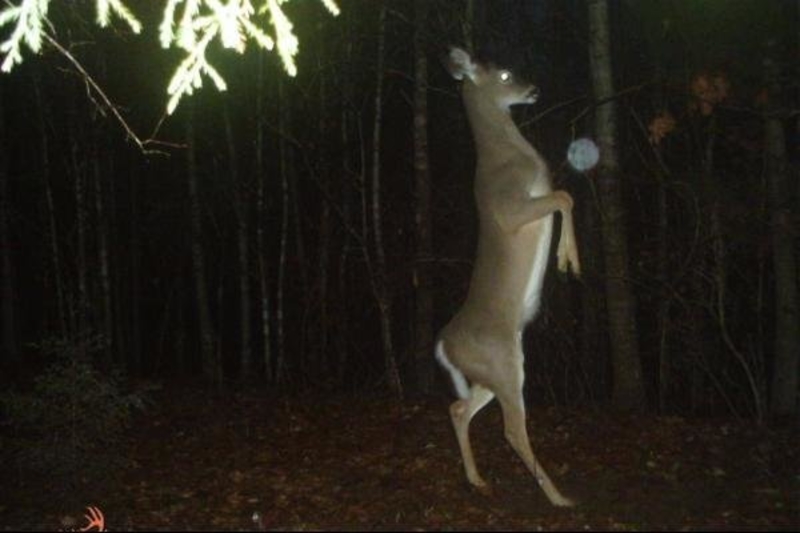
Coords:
pixel 102 228
pixel 240 209
pixel 221 318
pixel 662 260
pixel 319 364
pixel 135 352
pixel 209 363
pixel 104 323
pixel 52 229
pixel 166 330
pixel 283 149
pixel 423 311
pixel 343 323
pixel 787 333
pixel 55 252
pixel 628 389
pixel 468 26
pixel 719 267
pixel 380 282
pixel 109 186
pixel 179 338
pixel 263 265
pixel 80 312
pixel 662 313
pixel 594 358
pixel 301 271
pixel 324 241
pixel 7 292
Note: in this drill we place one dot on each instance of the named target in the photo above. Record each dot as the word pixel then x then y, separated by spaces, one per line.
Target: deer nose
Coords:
pixel 533 93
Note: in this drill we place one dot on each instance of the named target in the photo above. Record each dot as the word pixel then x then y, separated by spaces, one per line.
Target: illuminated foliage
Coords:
pixel 191 25
pixel 709 89
pixel 29 16
pixel 104 9
pixel 661 125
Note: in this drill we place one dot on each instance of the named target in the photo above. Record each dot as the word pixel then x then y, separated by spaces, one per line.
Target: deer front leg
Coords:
pixel 461 413
pixel 522 212
pixel 567 246
pixel 517 436
pixel 514 210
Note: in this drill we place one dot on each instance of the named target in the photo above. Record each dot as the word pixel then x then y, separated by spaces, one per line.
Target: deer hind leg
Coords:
pixel 461 413
pixel 517 436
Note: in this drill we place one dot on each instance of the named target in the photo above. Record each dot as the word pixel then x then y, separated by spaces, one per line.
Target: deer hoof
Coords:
pixel 562 501
pixel 481 486
pixel 484 490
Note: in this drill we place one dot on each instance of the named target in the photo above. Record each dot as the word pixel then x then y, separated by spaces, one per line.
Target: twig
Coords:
pixel 618 94
pixel 142 144
pixel 551 109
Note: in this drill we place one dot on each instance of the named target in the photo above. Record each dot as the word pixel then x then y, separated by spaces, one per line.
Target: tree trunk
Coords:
pixel 594 358
pixel 52 228
pixel 179 338
pixel 319 364
pixel 280 363
pixel 263 265
pixel 240 210
pixel 210 366
pixel 423 311
pixel 7 291
pixel 628 388
pixel 300 272
pixel 787 333
pixel 662 313
pixel 719 268
pixel 102 228
pixel 100 158
pixel 379 275
pixel 341 301
pixel 79 314
pixel 662 257
pixel 468 26
pixel 134 345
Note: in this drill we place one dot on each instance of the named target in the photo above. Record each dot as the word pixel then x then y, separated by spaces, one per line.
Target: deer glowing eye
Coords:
pixel 505 76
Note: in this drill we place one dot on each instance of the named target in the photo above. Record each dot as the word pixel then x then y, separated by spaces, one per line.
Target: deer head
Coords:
pixel 489 83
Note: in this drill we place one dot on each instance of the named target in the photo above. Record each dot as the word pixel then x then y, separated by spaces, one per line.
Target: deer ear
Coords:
pixel 460 64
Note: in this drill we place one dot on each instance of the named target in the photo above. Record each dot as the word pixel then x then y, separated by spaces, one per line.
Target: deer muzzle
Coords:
pixel 533 94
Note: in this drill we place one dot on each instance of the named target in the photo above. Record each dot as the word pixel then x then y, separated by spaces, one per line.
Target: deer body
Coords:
pixel 482 344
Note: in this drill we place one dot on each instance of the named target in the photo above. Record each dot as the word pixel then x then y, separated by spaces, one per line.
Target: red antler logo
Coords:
pixel 95 520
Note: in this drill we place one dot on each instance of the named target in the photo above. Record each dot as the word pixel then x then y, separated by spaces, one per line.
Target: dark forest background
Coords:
pixel 314 232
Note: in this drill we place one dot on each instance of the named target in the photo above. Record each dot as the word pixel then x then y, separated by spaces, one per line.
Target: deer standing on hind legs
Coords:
pixel 482 344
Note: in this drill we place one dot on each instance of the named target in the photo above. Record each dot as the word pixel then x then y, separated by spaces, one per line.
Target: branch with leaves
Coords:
pixel 193 29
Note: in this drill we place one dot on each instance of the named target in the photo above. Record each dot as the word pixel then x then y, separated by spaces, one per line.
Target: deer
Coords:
pixel 481 347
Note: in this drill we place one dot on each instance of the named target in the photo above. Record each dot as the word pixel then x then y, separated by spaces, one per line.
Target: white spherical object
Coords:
pixel 583 154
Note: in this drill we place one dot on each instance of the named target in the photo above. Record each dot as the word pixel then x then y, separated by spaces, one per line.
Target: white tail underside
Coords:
pixel 459 381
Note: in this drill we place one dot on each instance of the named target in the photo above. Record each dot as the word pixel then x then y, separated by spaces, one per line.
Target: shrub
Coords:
pixel 74 417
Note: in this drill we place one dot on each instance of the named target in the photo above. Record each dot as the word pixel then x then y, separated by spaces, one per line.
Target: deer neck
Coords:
pixel 497 137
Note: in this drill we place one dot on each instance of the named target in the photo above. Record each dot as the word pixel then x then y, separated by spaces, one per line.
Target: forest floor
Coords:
pixel 196 461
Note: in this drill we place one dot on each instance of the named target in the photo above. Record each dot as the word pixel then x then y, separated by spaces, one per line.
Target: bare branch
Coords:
pixel 144 145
